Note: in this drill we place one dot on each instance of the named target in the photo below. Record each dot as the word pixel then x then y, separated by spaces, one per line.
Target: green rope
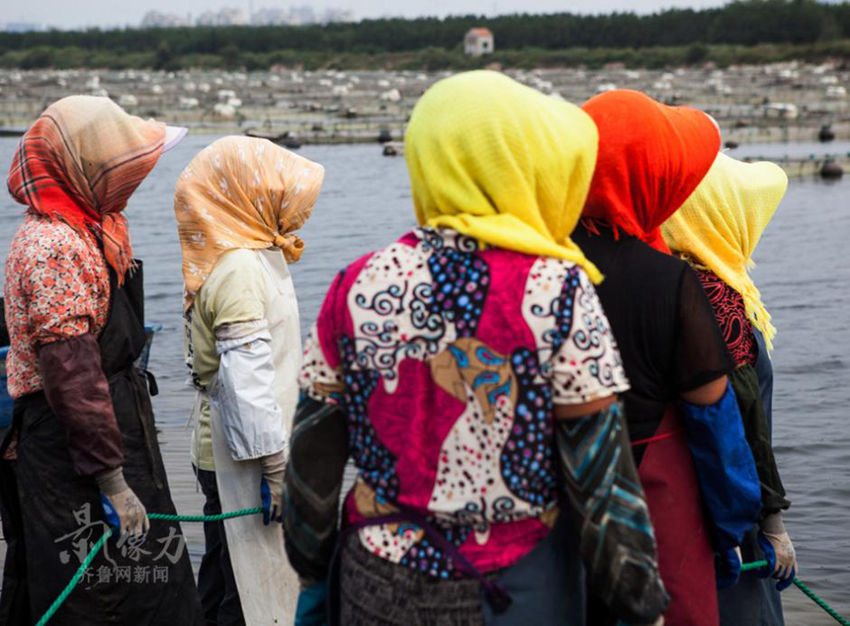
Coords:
pixel 206 518
pixel 76 578
pixel 81 570
pixel 745 567
pixel 821 603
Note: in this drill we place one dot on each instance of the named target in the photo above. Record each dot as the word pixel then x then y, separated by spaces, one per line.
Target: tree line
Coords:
pixel 740 23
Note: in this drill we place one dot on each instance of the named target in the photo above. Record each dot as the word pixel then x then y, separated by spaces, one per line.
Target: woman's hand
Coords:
pixel 778 549
pixel 123 509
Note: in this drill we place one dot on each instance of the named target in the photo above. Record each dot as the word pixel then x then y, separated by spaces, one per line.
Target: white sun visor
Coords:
pixel 173 136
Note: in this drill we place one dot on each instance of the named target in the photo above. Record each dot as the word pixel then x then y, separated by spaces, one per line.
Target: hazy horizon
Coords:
pixel 117 13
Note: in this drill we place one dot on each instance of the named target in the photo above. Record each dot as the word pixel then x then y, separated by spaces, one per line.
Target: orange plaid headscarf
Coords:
pixel 241 192
pixel 80 162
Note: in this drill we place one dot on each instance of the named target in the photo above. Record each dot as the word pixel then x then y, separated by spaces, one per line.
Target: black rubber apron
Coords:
pixel 61 513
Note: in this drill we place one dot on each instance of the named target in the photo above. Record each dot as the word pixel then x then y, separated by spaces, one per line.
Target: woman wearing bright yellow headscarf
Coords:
pixel 469 371
pixel 238 204
pixel 717 231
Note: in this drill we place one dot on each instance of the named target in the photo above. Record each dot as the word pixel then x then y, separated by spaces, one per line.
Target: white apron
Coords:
pixel 268 586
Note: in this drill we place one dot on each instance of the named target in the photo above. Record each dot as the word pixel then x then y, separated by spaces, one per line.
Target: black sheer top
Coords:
pixel 663 323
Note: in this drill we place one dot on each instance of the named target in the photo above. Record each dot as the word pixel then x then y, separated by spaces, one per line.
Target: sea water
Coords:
pixel 803 272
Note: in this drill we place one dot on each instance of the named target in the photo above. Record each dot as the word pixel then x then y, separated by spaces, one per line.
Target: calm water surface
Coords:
pixel 803 272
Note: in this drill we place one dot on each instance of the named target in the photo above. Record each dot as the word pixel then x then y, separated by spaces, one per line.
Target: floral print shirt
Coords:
pixel 732 317
pixel 448 360
pixel 57 287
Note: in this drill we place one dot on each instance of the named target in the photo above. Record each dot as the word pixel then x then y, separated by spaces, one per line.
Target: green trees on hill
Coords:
pixel 700 34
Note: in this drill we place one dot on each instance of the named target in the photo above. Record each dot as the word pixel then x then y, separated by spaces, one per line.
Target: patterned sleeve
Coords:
pixel 587 364
pixel 63 291
pixel 321 371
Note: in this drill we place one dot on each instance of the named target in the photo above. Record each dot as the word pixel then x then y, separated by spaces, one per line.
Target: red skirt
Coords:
pixel 685 554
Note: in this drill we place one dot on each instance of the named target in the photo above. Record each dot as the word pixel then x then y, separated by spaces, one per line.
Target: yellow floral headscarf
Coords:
pixel 721 223
pixel 241 192
pixel 503 163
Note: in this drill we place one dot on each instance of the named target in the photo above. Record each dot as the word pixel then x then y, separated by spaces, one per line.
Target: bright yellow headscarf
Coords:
pixel 503 163
pixel 721 223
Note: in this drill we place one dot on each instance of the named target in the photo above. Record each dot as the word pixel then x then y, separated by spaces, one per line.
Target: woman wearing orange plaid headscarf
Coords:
pixel 84 431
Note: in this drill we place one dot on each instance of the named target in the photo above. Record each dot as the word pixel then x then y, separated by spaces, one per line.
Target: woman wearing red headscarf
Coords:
pixel 83 442
pixel 651 158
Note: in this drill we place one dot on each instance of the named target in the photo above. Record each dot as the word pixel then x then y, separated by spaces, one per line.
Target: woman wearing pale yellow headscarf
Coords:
pixel 717 230
pixel 237 205
pixel 468 370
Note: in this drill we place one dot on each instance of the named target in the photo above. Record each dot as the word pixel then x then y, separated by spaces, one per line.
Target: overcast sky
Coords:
pixel 81 13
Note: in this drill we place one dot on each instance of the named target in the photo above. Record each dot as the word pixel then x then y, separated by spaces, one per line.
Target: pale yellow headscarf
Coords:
pixel 241 192
pixel 503 163
pixel 721 223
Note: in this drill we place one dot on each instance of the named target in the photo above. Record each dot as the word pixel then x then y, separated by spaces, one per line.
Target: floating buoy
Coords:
pixel 731 144
pixel 831 169
pixel 826 133
pixel 393 148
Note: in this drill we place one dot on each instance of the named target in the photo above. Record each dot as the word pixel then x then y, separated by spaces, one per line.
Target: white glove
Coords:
pixel 773 529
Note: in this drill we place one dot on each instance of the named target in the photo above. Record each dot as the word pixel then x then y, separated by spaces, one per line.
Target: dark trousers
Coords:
pixel 14 599
pixel 216 583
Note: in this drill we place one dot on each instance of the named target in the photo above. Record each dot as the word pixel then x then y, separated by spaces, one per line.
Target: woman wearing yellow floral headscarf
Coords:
pixel 238 205
pixel 468 370
pixel 717 231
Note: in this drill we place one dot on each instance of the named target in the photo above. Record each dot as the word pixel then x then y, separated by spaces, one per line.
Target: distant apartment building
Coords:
pixel 477 42
pixel 156 19
pixel 337 15
pixel 270 17
pixel 21 27
pixel 228 16
pixel 302 15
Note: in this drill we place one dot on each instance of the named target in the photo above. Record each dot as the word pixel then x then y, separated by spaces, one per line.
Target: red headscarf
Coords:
pixel 80 162
pixel 651 158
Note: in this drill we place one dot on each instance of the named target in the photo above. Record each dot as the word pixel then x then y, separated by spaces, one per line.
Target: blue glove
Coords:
pixel 727 566
pixel 271 487
pixel 312 605
pixel 111 514
pixel 770 557
pixel 272 506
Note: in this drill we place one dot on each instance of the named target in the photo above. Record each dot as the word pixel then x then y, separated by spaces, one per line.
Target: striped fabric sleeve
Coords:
pixel 617 539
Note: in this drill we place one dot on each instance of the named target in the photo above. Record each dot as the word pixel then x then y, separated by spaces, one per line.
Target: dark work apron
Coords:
pixel 685 553
pixel 61 513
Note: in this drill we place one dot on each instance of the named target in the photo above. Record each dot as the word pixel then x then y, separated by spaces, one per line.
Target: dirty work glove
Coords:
pixel 778 551
pixel 271 487
pixel 124 511
pixel 727 566
pixel 312 603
